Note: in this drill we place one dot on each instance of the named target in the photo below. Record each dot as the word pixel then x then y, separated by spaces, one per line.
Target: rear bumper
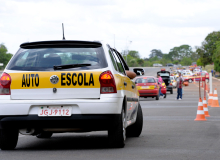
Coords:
pixel 169 88
pixel 86 122
pixel 103 105
pixel 148 92
pixel 163 90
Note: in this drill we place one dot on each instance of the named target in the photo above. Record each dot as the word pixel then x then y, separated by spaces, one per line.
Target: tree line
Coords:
pixel 4 56
pixel 209 51
pixel 183 55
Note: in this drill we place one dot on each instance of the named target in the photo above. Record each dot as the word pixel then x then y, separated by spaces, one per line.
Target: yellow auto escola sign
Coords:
pixel 34 80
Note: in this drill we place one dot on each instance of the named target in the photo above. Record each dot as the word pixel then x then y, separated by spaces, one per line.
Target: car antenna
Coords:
pixel 63 32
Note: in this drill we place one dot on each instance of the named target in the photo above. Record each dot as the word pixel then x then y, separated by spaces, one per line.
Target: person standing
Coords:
pixel 212 72
pixel 179 87
pixel 160 81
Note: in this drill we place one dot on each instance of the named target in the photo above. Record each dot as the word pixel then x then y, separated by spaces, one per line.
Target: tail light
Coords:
pixel 107 83
pixel 171 84
pixel 5 83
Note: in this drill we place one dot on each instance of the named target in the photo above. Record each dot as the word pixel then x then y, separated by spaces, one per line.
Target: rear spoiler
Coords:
pixel 61 44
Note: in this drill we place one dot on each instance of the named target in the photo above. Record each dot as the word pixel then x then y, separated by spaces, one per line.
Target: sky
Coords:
pixel 140 25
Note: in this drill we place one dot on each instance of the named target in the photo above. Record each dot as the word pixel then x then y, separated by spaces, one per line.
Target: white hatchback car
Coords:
pixel 68 86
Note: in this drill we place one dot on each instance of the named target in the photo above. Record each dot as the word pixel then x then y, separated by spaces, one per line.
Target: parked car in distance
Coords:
pixel 157 65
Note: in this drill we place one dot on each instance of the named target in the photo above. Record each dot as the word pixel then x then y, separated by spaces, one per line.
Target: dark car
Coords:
pixel 165 75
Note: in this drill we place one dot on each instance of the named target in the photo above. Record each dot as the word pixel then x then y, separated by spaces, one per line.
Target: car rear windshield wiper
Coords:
pixel 70 66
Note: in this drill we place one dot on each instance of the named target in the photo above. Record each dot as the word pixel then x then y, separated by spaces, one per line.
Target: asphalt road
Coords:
pixel 169 133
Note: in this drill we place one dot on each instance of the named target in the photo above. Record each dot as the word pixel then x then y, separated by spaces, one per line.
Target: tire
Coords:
pixel 8 139
pixel 157 97
pixel 207 80
pixel 171 92
pixel 165 95
pixel 117 132
pixel 136 129
pixel 44 135
pixel 190 80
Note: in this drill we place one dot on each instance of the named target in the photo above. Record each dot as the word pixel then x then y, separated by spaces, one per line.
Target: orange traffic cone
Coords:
pixel 205 108
pixel 215 99
pixel 200 112
pixel 210 99
pixel 194 80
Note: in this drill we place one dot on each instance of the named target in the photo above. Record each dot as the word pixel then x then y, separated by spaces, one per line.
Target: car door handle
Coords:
pixel 133 86
pixel 125 84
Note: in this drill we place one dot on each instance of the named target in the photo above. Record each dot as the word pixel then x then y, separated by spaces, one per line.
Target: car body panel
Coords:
pixel 28 94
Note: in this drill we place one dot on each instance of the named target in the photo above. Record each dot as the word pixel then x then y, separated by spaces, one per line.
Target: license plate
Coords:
pixel 54 111
pixel 145 87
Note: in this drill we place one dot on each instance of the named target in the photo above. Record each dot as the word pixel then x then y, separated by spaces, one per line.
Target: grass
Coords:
pixel 208 68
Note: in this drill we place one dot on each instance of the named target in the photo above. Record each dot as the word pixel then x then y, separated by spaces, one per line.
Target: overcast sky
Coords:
pixel 149 24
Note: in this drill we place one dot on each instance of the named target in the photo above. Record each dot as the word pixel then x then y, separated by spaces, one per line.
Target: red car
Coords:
pixel 147 86
pixel 201 75
pixel 163 89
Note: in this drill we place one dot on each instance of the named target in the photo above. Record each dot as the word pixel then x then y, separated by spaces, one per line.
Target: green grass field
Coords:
pixel 208 68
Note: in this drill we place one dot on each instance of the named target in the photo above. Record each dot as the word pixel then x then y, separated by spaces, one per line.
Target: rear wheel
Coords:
pixel 44 135
pixel 157 97
pixel 171 92
pixel 117 132
pixel 136 129
pixel 8 139
pixel 165 95
pixel 190 80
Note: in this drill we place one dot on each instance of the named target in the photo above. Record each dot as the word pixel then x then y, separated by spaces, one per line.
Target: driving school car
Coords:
pixel 147 87
pixel 68 86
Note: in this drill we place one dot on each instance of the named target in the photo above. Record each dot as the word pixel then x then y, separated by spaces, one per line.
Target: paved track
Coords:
pixel 169 132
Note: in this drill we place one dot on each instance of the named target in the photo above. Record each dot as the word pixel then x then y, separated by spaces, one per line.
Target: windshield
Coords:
pixel 43 59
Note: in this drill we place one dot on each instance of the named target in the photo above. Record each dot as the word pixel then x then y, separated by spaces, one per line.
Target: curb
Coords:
pixel 215 78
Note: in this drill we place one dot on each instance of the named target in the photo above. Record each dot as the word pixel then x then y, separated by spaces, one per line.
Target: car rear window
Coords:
pixel 145 80
pixel 164 74
pixel 43 59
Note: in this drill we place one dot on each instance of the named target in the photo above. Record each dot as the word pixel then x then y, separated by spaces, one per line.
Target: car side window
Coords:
pixel 119 64
pixel 113 60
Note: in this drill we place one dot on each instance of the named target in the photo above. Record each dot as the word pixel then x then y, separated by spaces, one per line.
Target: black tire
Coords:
pixel 8 139
pixel 190 81
pixel 171 92
pixel 157 97
pixel 165 95
pixel 44 135
pixel 117 132
pixel 135 129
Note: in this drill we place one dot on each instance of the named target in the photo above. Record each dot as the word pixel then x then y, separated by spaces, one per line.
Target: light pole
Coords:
pixel 127 49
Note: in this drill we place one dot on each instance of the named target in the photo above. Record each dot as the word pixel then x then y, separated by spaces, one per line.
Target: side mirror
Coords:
pixel 135 82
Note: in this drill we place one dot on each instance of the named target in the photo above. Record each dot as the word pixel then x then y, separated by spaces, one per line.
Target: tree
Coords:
pixel 134 54
pixel 186 61
pixel 178 53
pixel 208 47
pixel 140 62
pixel 4 56
pixel 199 63
pixel 216 57
pixel 156 52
